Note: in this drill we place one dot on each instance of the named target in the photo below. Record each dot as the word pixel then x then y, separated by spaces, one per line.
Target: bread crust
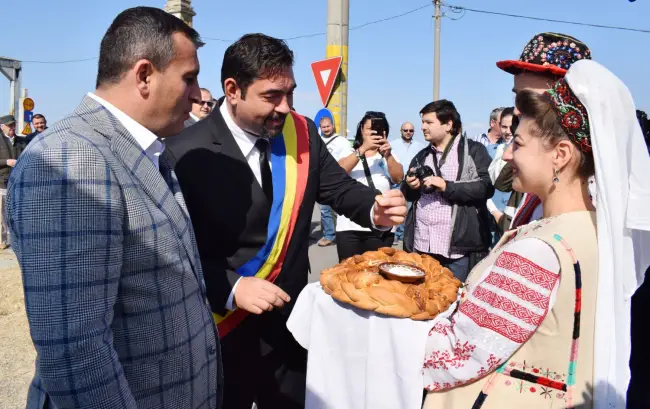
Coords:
pixel 357 281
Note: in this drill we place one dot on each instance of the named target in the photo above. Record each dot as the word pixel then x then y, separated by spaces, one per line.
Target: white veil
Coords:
pixel 623 214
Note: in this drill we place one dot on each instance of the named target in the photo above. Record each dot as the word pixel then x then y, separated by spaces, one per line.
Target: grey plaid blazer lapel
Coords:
pixel 167 197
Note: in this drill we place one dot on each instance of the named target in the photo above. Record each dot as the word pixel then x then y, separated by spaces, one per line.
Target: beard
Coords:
pixel 270 130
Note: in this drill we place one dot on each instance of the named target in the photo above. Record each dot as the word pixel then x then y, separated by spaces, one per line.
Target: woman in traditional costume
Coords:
pixel 545 322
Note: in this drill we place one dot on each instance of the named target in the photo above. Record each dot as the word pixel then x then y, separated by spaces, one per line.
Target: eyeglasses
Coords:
pixel 408 130
pixel 210 104
pixel 375 114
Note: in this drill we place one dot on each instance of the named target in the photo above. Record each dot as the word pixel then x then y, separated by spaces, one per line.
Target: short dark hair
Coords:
pixel 255 56
pixel 445 111
pixel 509 111
pixel 326 118
pixel 140 33
pixel 39 116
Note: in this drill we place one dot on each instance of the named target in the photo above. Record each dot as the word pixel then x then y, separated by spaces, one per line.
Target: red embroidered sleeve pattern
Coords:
pixel 493 322
pixel 527 269
pixel 441 328
pixel 510 307
pixel 455 358
pixel 501 311
pixel 514 287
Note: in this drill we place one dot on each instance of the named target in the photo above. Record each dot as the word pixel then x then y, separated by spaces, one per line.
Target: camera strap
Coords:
pixel 366 170
pixel 331 140
pixel 443 157
pixel 371 185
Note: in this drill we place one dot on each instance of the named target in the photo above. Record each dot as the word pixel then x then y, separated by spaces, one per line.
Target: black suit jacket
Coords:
pixel 230 212
pixel 9 151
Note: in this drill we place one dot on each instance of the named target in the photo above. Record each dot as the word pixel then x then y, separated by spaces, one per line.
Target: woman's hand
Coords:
pixel 385 150
pixel 372 143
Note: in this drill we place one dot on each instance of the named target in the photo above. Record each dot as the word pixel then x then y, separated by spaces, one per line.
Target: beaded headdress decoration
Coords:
pixel 572 114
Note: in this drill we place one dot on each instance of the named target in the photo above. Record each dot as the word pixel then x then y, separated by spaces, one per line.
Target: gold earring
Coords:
pixel 556 179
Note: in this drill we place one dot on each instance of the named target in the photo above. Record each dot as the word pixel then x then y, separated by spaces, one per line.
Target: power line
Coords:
pixel 461 8
pixel 58 62
pixel 392 17
pixel 216 39
pixel 452 8
pixel 428 4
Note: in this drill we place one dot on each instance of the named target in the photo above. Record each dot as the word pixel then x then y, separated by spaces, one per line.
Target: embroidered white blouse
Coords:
pixel 501 311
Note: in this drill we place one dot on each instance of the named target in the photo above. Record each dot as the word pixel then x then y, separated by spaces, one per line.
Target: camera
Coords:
pixel 422 172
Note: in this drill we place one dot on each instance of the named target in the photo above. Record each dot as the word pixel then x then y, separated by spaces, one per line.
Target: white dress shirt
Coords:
pixel 194 117
pixel 149 142
pixel 246 142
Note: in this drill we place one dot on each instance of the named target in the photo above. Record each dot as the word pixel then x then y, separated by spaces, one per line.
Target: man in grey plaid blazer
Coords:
pixel 114 289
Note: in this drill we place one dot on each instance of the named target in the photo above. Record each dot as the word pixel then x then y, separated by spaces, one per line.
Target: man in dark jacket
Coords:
pixel 11 146
pixel 242 171
pixel 449 219
pixel 40 125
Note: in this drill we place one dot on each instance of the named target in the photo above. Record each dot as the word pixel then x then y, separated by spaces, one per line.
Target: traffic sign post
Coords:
pixel 323 113
pixel 28 115
pixel 27 129
pixel 325 73
pixel 28 104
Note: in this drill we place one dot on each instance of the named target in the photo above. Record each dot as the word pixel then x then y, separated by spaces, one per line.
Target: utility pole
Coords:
pixel 338 29
pixel 181 9
pixel 436 51
pixel 12 70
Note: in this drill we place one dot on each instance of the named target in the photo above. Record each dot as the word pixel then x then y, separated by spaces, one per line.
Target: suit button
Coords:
pixel 212 350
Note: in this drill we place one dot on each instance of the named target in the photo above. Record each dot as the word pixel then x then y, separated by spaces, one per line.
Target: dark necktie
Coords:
pixel 267 181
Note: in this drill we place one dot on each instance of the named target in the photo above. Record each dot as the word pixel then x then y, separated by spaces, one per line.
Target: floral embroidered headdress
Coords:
pixel 572 114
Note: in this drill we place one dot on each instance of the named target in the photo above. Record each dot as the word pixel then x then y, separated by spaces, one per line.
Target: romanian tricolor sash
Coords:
pixel 290 164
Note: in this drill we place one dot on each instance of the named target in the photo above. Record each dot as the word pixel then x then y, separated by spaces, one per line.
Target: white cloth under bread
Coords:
pixel 358 359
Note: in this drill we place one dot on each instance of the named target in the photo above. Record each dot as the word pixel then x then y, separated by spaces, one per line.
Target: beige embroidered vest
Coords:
pixel 534 376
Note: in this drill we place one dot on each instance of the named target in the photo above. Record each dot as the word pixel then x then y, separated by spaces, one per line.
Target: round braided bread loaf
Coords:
pixel 357 281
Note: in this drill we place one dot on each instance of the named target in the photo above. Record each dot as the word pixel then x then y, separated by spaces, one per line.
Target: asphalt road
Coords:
pixel 319 257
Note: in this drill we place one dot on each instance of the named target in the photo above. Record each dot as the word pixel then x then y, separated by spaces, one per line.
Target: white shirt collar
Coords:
pixel 149 142
pixel 245 140
pixel 194 117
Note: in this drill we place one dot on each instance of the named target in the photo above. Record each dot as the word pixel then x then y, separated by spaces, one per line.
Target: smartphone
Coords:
pixel 377 125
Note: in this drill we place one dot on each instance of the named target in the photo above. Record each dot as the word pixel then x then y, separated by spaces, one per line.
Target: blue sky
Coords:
pixel 391 63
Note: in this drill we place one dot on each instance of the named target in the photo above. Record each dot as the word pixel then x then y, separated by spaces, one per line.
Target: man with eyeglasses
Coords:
pixel 201 109
pixel 405 148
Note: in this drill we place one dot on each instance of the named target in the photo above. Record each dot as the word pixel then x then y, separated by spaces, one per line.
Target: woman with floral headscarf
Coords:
pixel 545 320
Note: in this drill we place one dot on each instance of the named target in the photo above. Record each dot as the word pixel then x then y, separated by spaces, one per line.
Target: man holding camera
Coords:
pixel 449 184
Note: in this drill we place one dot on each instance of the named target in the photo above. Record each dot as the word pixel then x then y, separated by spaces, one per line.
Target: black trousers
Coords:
pixel 263 364
pixel 638 393
pixel 350 243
